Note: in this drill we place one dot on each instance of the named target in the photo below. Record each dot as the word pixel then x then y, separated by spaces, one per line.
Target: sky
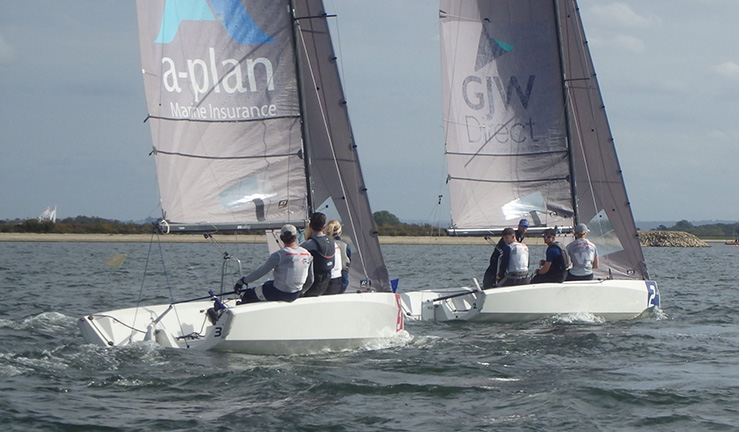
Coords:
pixel 72 106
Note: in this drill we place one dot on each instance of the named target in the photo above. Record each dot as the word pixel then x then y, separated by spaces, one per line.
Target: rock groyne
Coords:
pixel 670 239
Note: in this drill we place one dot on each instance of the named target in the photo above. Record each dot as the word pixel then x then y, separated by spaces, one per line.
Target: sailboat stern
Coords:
pixel 183 325
pixel 445 304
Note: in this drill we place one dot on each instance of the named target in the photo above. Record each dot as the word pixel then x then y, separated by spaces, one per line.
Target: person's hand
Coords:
pixel 237 287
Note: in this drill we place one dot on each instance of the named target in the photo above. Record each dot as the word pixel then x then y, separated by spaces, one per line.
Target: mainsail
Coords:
pixel 526 128
pixel 248 120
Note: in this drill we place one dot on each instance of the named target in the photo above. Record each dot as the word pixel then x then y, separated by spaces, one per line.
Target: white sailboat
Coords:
pixel 48 215
pixel 527 137
pixel 251 131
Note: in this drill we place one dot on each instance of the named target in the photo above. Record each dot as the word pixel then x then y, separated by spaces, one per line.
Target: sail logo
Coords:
pixel 244 63
pixel 497 101
pixel 489 48
pixel 480 94
pixel 231 13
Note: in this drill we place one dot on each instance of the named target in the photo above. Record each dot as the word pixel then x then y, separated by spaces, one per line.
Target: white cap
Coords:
pixel 581 228
pixel 289 229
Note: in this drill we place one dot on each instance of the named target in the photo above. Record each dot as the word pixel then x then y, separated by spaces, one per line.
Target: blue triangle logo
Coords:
pixel 489 48
pixel 231 13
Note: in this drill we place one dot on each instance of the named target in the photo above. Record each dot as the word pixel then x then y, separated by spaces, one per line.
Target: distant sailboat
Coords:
pixel 527 137
pixel 48 215
pixel 251 131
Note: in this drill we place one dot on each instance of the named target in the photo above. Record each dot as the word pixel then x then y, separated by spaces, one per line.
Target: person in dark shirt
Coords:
pixel 323 249
pixel 490 279
pixel 554 267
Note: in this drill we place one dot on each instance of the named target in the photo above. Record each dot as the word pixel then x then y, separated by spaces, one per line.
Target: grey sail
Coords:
pixel 337 184
pixel 602 202
pixel 248 122
pixel 526 129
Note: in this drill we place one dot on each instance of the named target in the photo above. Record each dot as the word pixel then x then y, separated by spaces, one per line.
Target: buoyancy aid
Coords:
pixel 323 255
pixel 566 260
pixel 519 260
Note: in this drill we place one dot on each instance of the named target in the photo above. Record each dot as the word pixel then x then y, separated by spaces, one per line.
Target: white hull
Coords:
pixel 610 300
pixel 307 325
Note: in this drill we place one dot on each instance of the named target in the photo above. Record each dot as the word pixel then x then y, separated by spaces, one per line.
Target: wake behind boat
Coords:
pixel 251 132
pixel 527 137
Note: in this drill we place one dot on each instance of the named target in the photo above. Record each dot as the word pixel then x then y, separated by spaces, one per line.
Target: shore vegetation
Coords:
pixel 387 225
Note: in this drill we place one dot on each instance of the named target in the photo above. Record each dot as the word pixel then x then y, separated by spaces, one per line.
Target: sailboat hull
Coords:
pixel 611 300
pixel 305 326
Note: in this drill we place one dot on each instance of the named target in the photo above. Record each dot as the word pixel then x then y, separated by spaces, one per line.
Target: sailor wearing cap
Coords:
pixel 490 279
pixel 584 255
pixel 292 267
pixel 513 266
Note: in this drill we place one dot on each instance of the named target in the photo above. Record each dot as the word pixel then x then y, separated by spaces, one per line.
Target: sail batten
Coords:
pixel 190 119
pixel 537 180
pixel 200 156
pixel 549 152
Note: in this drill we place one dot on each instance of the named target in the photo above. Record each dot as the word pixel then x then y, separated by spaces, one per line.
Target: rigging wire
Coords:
pixel 141 290
pixel 331 145
pixel 583 54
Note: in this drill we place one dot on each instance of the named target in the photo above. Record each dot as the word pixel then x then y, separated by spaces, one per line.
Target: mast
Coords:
pixel 303 109
pixel 567 114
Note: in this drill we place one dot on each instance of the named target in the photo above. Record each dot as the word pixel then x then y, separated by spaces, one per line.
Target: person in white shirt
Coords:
pixel 584 255
pixel 292 267
pixel 513 266
pixel 340 273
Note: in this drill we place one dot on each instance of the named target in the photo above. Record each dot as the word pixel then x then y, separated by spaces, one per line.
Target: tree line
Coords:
pixel 387 225
pixel 717 230
pixel 76 225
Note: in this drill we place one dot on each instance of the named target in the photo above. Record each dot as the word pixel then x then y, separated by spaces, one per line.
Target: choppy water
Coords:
pixel 674 371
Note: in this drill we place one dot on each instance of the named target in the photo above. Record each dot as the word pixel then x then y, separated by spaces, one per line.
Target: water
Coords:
pixel 671 371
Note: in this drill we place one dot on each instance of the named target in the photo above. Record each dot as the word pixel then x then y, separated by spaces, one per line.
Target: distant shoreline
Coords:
pixel 247 239
pixel 198 238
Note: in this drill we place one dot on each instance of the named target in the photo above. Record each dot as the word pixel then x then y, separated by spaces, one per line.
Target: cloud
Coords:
pixel 629 43
pixel 621 42
pixel 731 135
pixel 728 69
pixel 6 51
pixel 620 14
